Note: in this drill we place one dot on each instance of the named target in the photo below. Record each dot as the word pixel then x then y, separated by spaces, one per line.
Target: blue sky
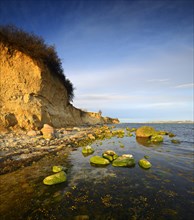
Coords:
pixel 130 59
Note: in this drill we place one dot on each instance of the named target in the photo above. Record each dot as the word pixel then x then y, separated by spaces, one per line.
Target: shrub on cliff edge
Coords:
pixel 35 47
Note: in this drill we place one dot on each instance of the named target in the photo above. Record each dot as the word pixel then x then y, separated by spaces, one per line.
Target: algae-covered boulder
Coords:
pixel 87 150
pixel 57 169
pixel 110 155
pixel 97 160
pixel 144 163
pixel 145 132
pixel 55 178
pixel 125 160
pixel 143 141
pixel 156 138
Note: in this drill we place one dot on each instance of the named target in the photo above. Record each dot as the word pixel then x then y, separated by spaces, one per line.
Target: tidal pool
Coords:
pixel 165 191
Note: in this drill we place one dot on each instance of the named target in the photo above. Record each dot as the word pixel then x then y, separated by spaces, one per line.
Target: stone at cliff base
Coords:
pixel 55 178
pixel 32 133
pixel 87 150
pixel 156 138
pixel 97 160
pixel 110 155
pixel 48 132
pixel 125 160
pixel 145 132
pixel 57 169
pixel 144 163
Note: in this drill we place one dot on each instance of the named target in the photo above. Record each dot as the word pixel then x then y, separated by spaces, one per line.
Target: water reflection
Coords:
pixel 162 192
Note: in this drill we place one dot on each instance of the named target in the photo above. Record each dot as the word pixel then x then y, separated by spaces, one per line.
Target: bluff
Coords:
pixel 30 95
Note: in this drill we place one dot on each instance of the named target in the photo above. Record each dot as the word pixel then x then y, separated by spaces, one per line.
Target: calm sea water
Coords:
pixel 163 192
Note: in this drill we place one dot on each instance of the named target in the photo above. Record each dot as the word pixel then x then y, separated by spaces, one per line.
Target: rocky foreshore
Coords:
pixel 21 148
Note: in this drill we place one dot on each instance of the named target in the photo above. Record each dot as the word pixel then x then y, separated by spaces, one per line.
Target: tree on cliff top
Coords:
pixel 34 46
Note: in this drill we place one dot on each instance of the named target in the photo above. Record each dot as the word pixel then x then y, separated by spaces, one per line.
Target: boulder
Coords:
pixel 125 160
pixel 110 155
pixel 55 178
pixel 144 163
pixel 145 132
pixel 48 132
pixel 87 150
pixel 97 160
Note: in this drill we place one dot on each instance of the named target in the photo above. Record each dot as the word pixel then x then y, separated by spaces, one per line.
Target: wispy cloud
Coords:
pixel 187 85
pixel 157 80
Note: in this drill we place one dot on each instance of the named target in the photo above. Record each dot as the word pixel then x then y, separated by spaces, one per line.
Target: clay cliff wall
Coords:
pixel 31 96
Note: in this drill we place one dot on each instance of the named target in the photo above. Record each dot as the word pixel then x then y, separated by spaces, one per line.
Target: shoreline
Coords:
pixel 19 150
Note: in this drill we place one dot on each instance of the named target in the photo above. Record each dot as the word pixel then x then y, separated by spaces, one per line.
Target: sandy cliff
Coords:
pixel 31 96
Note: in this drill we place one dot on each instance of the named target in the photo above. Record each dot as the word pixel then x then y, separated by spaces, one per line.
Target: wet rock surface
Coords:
pixel 21 148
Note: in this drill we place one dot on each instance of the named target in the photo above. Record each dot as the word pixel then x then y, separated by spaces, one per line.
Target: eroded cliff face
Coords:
pixel 31 96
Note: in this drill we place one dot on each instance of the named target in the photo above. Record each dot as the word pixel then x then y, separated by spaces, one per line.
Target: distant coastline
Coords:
pixel 162 122
pixel 172 122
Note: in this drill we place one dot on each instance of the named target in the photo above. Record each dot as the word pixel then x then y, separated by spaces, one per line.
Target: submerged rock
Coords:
pixel 144 163
pixel 145 132
pixel 87 150
pixel 156 138
pixel 55 178
pixel 125 160
pixel 82 217
pixel 171 135
pixel 57 169
pixel 99 160
pixel 110 155
pixel 163 132
pixel 175 141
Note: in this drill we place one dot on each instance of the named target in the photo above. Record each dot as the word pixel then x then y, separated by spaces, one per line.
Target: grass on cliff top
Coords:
pixel 35 47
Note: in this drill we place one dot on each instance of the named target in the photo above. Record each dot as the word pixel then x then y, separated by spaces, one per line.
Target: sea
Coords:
pixel 163 192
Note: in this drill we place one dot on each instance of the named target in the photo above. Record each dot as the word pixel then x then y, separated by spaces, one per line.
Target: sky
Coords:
pixel 131 59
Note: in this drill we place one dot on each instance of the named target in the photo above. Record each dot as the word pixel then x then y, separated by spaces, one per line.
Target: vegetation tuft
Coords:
pixel 34 46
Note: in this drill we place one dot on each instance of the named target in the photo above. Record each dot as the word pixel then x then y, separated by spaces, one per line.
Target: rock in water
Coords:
pixel 156 138
pixel 99 160
pixel 110 155
pixel 125 160
pixel 145 132
pixel 57 169
pixel 174 141
pixel 55 178
pixel 144 163
pixel 87 150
